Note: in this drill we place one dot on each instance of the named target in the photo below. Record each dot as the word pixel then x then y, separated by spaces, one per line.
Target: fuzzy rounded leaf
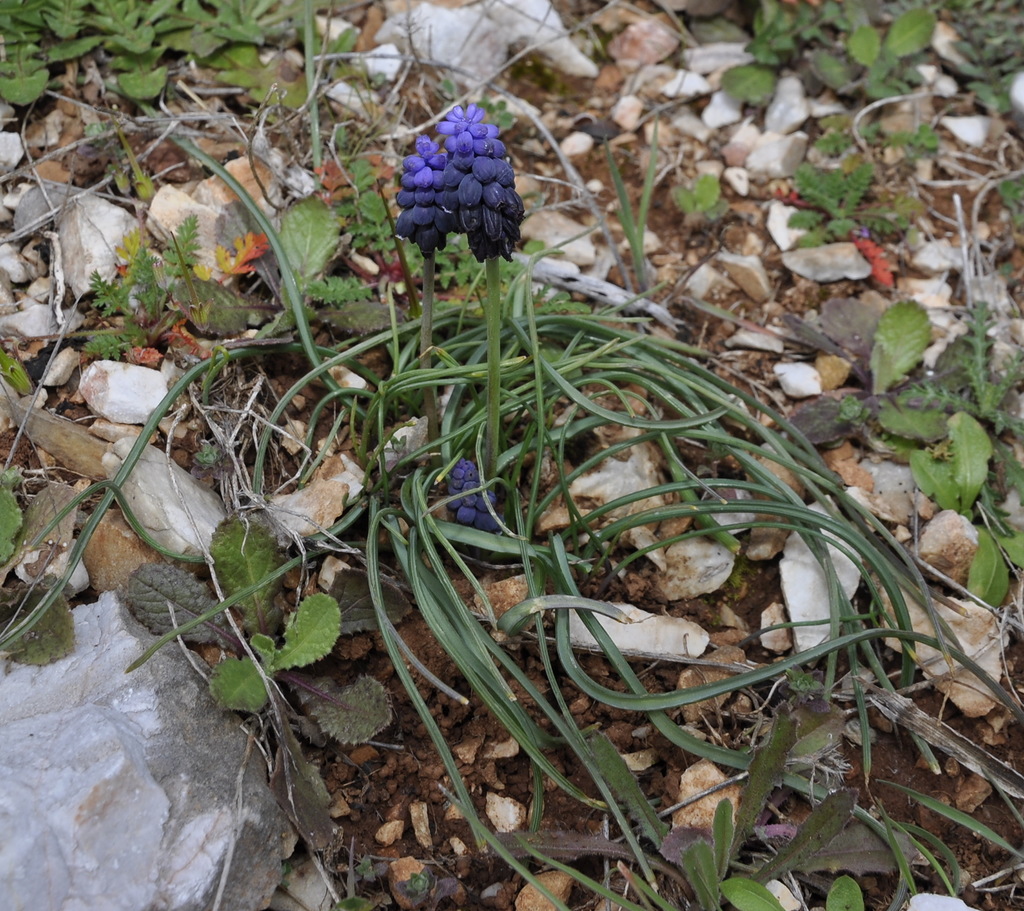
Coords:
pixel 751 82
pixel 244 553
pixel 310 634
pixel 236 684
pixel 863 45
pixel 903 334
pixel 143 84
pixel 350 714
pixel 309 234
pixel 911 33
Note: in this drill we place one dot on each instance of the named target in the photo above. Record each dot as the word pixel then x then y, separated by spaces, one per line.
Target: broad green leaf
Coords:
pixel 351 589
pixel 751 82
pixel 50 639
pixel 244 553
pixel 989 576
pixel 10 523
pixel 723 832
pixel 309 233
pixel 747 895
pixel 863 45
pixel 236 684
pixel 935 478
pixel 1014 547
pixel 310 634
pixel 23 76
pixel 906 418
pixel 698 863
pixel 241 65
pixel 972 449
pixel 624 786
pixel 826 821
pixel 161 597
pixel 359 317
pixel 766 769
pixel 845 895
pixel 832 69
pixel 350 714
pixel 903 334
pixel 911 33
pixel 143 83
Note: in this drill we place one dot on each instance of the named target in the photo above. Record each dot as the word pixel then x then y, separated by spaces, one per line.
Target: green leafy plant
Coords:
pixel 160 301
pixel 136 38
pixel 843 48
pixel 834 203
pixel 247 563
pixel 704 198
pixel 950 426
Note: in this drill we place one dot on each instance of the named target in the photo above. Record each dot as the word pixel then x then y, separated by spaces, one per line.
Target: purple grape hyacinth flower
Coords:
pixel 424 220
pixel 471 509
pixel 479 185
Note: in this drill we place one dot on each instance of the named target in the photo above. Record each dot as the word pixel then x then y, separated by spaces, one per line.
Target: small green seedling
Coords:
pixel 248 564
pixel 704 198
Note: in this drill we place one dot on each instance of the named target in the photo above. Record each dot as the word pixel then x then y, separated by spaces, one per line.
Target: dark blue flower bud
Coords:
pixel 423 219
pixel 471 509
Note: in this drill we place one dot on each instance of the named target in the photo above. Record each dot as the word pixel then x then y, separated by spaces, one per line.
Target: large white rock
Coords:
pixel 722 110
pixel 556 230
pixel 119 790
pixel 126 393
pixel 805 588
pixel 90 231
pixel 172 506
pixel 828 263
pixel 694 567
pixel 477 38
pixel 789 108
pixel 775 156
pixel 11 151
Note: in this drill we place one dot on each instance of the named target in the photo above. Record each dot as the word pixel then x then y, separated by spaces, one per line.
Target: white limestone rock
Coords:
pixel 749 273
pixel 643 635
pixel 90 231
pixel 695 566
pixel 717 55
pixel 828 263
pixel 179 512
pixel 971 131
pixel 11 151
pixel 777 223
pixel 554 229
pixel 119 790
pixel 798 381
pixel 776 156
pixel 805 588
pixel 576 143
pixel 685 85
pixel 125 393
pixel 789 107
pixel 1017 95
pixel 722 110
pixel 477 38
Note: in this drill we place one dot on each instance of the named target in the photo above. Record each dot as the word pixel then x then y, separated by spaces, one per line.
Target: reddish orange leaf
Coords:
pixel 145 357
pixel 881 271
pixel 247 249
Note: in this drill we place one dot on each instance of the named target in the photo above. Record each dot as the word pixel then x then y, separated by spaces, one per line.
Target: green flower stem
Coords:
pixel 426 343
pixel 493 315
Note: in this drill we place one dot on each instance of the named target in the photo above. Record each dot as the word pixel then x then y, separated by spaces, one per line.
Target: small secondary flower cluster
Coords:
pixel 471 509
pixel 468 188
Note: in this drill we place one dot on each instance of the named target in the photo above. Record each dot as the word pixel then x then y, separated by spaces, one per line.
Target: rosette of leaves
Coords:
pixel 248 562
pixel 834 203
pixel 953 428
